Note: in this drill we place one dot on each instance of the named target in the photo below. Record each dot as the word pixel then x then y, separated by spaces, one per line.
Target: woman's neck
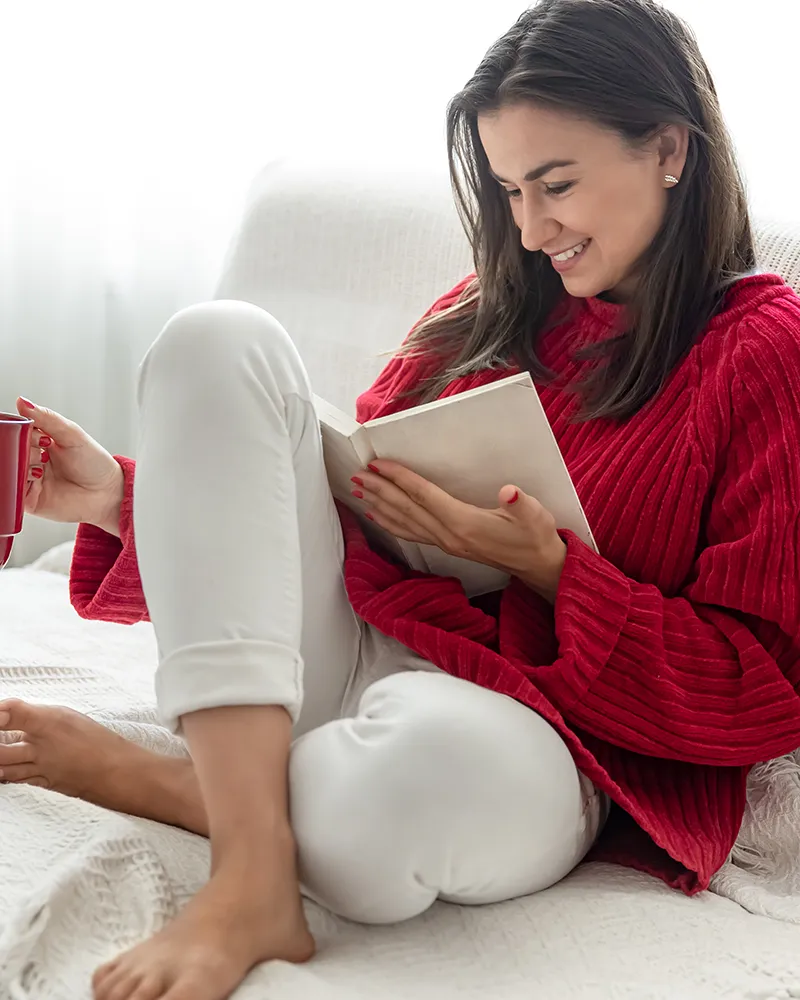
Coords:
pixel 615 295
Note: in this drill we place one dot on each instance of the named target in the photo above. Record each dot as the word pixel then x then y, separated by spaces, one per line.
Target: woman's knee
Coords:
pixel 352 815
pixel 455 737
pixel 436 787
pixel 415 739
pixel 209 338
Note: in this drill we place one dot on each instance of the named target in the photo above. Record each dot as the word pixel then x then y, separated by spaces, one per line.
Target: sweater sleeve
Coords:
pixel 104 575
pixel 711 676
pixel 104 580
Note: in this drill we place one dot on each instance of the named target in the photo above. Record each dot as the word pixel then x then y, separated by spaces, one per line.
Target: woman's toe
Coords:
pixel 20 772
pixel 102 972
pixel 122 988
pixel 106 977
pixel 16 753
pixel 18 716
pixel 150 988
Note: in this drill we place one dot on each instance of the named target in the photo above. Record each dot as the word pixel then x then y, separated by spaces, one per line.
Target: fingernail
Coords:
pixel 28 403
pixel 514 498
pixel 370 517
pixel 372 468
pixel 37 473
pixel 356 480
pixel 5 718
pixel 45 441
pixel 45 457
pixel 2 772
pixel 358 493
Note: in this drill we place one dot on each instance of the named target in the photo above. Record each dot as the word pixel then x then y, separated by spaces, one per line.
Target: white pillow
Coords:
pixel 55 560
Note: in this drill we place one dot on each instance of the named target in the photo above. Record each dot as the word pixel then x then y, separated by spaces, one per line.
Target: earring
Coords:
pixel 670 179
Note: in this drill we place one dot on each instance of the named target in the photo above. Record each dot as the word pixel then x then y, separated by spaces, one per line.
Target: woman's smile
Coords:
pixel 568 259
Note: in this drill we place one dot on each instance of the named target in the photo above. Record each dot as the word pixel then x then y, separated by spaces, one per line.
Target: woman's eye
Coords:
pixel 552 189
pixel 559 188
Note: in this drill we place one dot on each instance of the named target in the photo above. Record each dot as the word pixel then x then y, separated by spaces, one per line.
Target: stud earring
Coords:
pixel 670 179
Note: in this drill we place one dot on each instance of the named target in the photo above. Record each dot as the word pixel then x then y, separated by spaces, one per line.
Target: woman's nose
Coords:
pixel 538 229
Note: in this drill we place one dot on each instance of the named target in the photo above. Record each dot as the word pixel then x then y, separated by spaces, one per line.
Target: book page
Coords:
pixel 331 416
pixel 347 451
pixel 346 447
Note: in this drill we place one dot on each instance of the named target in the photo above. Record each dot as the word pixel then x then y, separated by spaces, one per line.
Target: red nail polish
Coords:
pixel 370 517
pixel 28 403
pixel 514 498
pixel 372 468
pixel 37 473
pixel 45 441
pixel 45 457
pixel 359 494
pixel 356 480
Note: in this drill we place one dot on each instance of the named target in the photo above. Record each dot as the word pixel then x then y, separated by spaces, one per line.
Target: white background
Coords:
pixel 130 131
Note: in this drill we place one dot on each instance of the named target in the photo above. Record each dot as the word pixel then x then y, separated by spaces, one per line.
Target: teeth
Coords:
pixel 567 254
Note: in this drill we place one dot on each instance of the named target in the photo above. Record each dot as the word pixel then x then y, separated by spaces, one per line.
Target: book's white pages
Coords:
pixel 347 451
pixel 470 445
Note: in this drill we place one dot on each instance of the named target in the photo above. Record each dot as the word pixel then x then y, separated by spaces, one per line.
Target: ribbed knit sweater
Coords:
pixel 670 662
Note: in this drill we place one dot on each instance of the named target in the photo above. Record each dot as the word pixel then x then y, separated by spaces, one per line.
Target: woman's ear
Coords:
pixel 672 148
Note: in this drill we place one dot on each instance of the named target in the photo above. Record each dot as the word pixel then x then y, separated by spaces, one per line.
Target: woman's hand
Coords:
pixel 70 476
pixel 519 536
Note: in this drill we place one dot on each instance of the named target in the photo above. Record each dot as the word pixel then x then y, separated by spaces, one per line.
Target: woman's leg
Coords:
pixel 437 788
pixel 225 413
pixel 236 531
pixel 236 535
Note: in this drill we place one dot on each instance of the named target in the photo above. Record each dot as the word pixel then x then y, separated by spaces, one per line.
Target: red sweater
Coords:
pixel 670 663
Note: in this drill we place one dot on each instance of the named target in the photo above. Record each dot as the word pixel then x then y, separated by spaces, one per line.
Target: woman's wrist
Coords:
pixel 545 576
pixel 110 525
pixel 108 512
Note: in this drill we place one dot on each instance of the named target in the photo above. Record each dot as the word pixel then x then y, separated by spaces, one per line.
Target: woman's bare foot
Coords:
pixel 249 912
pixel 72 754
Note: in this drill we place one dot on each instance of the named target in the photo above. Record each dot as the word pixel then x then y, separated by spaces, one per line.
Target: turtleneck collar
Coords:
pixel 606 314
pixel 607 317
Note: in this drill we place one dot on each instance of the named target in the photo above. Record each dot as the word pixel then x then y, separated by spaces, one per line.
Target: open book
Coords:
pixel 470 445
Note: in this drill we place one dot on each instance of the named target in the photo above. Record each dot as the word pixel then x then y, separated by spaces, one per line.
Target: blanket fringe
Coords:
pixel 762 873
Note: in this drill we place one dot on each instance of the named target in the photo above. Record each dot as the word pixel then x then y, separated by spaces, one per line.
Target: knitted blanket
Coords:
pixel 79 883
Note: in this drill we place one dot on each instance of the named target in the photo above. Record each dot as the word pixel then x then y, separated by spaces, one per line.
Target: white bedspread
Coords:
pixel 79 883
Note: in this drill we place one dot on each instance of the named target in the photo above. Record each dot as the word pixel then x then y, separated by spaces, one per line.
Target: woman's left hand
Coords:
pixel 519 536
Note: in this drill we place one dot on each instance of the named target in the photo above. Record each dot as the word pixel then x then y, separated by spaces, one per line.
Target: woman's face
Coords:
pixel 590 191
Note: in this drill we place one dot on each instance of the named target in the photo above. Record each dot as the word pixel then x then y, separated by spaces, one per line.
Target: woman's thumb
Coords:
pixel 510 495
pixel 63 431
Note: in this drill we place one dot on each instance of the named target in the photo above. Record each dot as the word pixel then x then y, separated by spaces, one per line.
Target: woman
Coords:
pixel 442 748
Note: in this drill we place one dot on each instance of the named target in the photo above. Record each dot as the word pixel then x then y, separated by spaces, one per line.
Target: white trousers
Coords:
pixel 406 784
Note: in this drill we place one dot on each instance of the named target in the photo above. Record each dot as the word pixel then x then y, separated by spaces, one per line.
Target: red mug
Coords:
pixel 15 445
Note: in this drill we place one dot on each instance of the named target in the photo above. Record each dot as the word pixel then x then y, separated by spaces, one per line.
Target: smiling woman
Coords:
pixel 595 213
pixel 617 181
pixel 488 741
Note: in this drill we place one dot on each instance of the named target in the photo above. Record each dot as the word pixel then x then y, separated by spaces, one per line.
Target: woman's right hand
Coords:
pixel 80 480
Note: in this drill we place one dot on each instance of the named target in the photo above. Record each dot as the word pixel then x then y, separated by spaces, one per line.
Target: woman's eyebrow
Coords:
pixel 534 175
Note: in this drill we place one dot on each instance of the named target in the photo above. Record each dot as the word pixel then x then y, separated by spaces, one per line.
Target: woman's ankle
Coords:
pixel 255 845
pixel 165 789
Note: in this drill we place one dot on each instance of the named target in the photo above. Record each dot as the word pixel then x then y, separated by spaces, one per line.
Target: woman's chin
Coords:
pixel 582 286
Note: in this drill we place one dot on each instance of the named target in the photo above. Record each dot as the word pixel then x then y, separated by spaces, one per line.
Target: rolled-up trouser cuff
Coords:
pixel 233 672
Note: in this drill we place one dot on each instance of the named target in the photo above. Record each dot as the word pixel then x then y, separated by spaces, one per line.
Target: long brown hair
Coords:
pixel 633 67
